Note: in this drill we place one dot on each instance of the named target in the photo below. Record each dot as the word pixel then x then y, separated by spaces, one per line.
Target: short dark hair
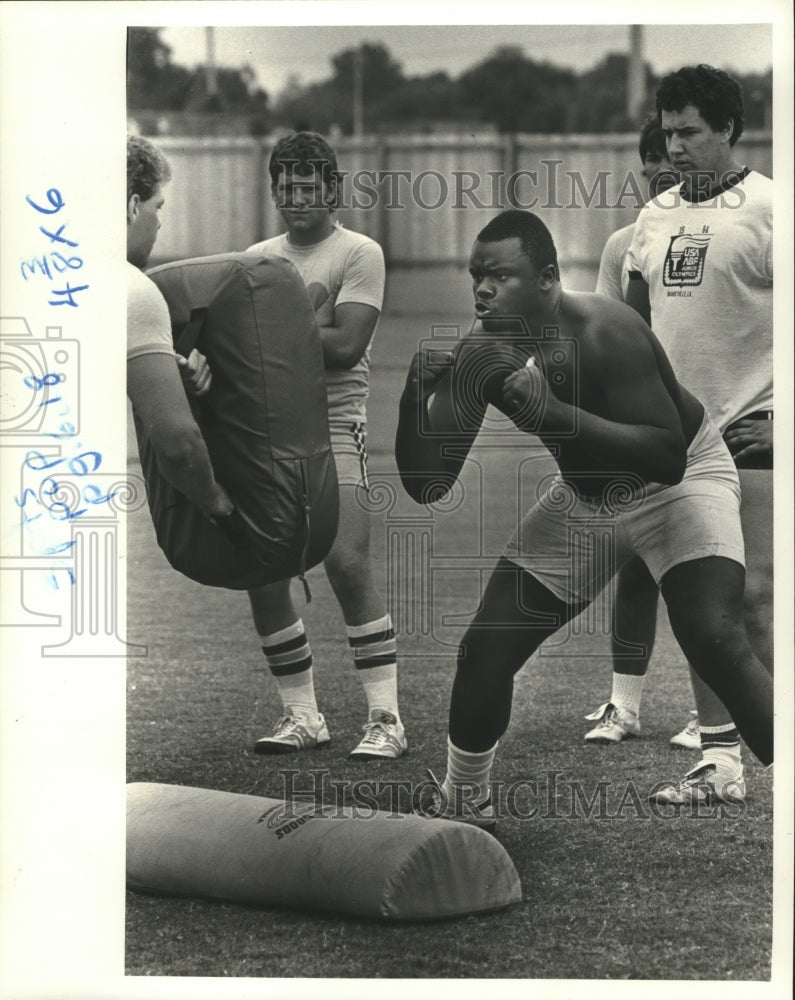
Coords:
pixel 305 152
pixel 147 168
pixel 652 140
pixel 717 96
pixel 531 232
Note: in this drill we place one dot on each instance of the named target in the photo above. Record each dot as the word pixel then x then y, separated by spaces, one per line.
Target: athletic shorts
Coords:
pixel 349 447
pixel 574 546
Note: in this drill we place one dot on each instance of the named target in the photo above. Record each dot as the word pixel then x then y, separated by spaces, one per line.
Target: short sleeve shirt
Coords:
pixel 148 320
pixel 613 275
pixel 345 267
pixel 709 268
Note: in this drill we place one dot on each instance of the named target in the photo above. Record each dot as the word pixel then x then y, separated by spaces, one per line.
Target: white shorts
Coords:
pixel 349 447
pixel 574 546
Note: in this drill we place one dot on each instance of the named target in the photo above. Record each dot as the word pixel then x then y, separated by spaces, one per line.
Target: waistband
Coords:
pixel 756 415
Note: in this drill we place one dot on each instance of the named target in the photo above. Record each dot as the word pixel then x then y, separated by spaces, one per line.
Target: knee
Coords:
pixel 348 569
pixel 482 651
pixel 711 643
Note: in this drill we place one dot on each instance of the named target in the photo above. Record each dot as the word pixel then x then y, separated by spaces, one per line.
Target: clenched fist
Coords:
pixel 525 393
pixel 427 370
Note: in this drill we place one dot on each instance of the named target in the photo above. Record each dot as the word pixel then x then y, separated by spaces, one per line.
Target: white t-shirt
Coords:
pixel 148 320
pixel 613 274
pixel 709 268
pixel 345 267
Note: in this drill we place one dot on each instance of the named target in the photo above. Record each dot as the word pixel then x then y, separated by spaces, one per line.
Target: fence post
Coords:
pixel 384 235
pixel 262 188
pixel 509 156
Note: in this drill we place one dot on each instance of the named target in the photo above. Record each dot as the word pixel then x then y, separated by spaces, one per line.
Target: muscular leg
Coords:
pixel 635 614
pixel 634 627
pixel 705 600
pixel 369 626
pixel 635 624
pixel 756 515
pixel 348 564
pixel 289 657
pixel 516 614
pixel 272 607
pixel 369 632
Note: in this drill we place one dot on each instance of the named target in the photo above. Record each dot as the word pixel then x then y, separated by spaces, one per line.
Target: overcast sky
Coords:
pixel 277 52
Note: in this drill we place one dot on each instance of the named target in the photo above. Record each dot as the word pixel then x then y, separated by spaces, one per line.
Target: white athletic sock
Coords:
pixel 627 691
pixel 468 775
pixel 720 745
pixel 375 658
pixel 290 661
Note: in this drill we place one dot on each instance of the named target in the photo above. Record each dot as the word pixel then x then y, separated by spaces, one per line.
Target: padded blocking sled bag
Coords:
pixel 264 420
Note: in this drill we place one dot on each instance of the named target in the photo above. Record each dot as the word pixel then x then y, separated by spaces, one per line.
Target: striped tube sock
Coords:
pixel 467 778
pixel 627 691
pixel 375 658
pixel 720 745
pixel 290 661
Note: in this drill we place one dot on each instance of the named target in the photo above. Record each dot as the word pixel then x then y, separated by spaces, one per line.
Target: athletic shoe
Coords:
pixel 434 804
pixel 383 737
pixel 615 724
pixel 689 738
pixel 292 734
pixel 704 783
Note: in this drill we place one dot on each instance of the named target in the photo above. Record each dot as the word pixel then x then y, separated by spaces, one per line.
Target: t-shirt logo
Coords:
pixel 684 262
pixel 318 294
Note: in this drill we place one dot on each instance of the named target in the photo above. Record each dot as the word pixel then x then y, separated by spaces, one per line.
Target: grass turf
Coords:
pixel 617 895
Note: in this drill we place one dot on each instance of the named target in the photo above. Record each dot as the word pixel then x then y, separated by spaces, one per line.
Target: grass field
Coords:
pixel 624 895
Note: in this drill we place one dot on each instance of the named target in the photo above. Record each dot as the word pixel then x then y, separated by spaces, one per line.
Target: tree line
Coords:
pixel 506 91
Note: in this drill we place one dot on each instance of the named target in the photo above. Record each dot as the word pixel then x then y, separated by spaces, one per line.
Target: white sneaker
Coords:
pixel 704 783
pixel 615 724
pixel 293 733
pixel 383 736
pixel 434 804
pixel 689 738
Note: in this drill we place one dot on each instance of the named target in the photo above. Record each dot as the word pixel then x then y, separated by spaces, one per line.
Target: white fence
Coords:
pixel 423 198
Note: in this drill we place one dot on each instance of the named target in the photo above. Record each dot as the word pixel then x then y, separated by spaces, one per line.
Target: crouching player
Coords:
pixel 620 426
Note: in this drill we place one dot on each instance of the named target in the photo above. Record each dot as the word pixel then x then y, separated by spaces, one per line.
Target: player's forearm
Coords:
pixel 655 454
pixel 426 473
pixel 338 353
pixel 185 463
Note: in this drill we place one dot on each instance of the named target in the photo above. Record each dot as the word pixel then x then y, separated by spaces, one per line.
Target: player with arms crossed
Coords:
pixel 700 270
pixel 344 275
pixel 618 418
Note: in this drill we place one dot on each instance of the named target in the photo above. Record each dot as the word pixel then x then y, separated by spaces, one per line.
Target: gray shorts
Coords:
pixel 349 447
pixel 574 546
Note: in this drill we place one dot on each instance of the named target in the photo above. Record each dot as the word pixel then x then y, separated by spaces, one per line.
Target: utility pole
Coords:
pixel 358 91
pixel 210 74
pixel 636 74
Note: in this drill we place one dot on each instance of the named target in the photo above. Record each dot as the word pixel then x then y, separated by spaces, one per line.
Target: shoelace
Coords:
pixel 437 794
pixel 375 734
pixel 610 716
pixel 697 778
pixel 284 725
